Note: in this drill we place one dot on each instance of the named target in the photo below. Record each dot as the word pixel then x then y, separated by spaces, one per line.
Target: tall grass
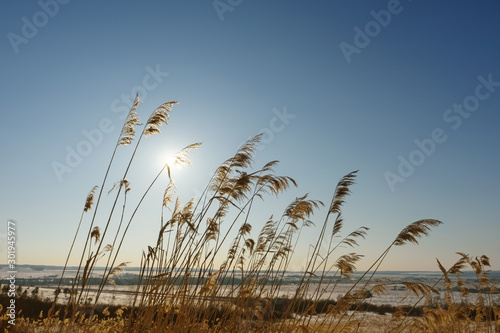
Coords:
pixel 207 272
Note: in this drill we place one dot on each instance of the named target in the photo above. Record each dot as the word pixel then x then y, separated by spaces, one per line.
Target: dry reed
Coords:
pixel 207 273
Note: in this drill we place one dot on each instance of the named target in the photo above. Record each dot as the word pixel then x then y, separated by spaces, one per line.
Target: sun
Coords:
pixel 177 160
pixel 169 157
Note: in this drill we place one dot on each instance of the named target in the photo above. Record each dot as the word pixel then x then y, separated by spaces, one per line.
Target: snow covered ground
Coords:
pixel 46 278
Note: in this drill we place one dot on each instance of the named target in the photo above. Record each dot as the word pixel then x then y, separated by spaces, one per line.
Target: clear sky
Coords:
pixel 408 92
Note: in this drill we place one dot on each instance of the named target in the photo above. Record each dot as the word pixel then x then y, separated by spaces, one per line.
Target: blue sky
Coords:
pixel 346 100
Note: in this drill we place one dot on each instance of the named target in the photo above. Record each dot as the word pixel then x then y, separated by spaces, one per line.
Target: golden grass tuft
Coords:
pixel 208 273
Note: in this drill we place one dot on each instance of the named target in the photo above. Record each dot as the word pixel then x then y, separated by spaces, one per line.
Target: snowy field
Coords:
pixel 46 279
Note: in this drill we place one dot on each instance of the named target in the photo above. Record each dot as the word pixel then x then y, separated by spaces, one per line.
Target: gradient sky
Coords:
pixel 354 100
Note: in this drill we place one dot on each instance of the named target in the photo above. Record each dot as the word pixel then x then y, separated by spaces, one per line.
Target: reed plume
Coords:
pixel 215 267
pixel 158 117
pixel 128 130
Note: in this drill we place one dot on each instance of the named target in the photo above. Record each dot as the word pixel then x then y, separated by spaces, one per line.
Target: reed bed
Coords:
pixel 210 272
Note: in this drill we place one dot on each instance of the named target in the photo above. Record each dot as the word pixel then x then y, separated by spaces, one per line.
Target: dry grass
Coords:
pixel 182 288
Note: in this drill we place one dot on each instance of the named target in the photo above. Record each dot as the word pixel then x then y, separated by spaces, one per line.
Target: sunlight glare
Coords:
pixel 169 157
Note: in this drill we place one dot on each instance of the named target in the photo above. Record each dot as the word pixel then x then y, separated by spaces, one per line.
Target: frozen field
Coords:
pixel 46 278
